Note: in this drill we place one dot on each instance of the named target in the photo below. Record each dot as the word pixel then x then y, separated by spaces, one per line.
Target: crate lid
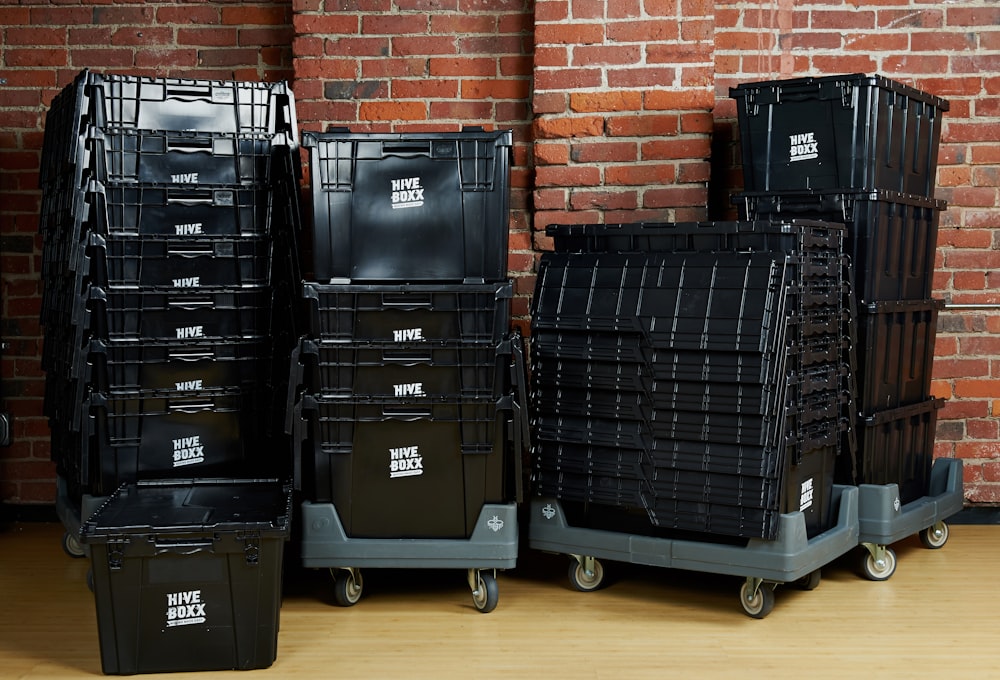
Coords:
pixel 811 83
pixel 185 506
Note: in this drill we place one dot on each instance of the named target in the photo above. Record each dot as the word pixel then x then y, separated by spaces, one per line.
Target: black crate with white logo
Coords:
pixel 187 575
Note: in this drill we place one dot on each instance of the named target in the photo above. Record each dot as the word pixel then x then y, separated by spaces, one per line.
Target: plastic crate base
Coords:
pixel 492 544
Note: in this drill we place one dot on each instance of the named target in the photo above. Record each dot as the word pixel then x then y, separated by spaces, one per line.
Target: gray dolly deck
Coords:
pixel 493 545
pixel 882 520
pixel 790 557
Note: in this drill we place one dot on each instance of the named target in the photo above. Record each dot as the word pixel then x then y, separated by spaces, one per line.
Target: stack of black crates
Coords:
pixel 402 382
pixel 691 379
pixel 863 150
pixel 168 221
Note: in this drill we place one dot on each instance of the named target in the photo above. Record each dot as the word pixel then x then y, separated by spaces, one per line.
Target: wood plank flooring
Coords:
pixel 937 617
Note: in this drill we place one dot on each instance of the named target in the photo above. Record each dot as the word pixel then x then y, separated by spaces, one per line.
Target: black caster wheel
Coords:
pixel 879 569
pixel 583 580
pixel 347 586
pixel 757 605
pixel 487 592
pixel 935 536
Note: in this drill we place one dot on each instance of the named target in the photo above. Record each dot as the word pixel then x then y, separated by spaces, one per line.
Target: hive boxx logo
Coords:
pixel 803 147
pixel 185 608
pixel 407 193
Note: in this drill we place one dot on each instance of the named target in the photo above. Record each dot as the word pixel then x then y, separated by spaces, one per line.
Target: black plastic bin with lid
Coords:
pixel 187 575
pixel 845 132
pixel 410 207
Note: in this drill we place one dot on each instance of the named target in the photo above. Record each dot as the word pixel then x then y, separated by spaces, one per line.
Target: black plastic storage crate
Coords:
pixel 143 103
pixel 177 157
pixel 410 207
pixel 895 353
pixel 396 469
pixel 891 237
pixel 845 132
pixel 180 313
pixel 896 446
pixel 131 436
pixel 124 261
pixel 169 366
pixel 402 313
pixel 187 575
pixel 791 236
pixel 423 371
pixel 182 211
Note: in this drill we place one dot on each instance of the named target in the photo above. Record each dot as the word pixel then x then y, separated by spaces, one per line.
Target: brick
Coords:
pixel 676 149
pixel 36 36
pixel 637 174
pixel 590 102
pixel 457 24
pixel 673 197
pixel 394 110
pixel 568 79
pixel 679 100
pixel 427 5
pixel 108 58
pixel 603 200
pixel 188 14
pixel 564 128
pixel 326 24
pixel 642 77
pixel 496 89
pixel 142 36
pixel 437 88
pixel 227 57
pixel 425 45
pixel 609 55
pixel 26 58
pixel 515 66
pixel 602 151
pixel 550 199
pixel 643 126
pixel 210 37
pixel 569 34
pixel 394 68
pixel 158 58
pixel 394 25
pixel 462 66
pixel 138 16
pixel 263 37
pixel 466 111
pixel 60 16
pixel 551 56
pixel 264 15
pixel 552 10
pixel 567 176
pixel 643 31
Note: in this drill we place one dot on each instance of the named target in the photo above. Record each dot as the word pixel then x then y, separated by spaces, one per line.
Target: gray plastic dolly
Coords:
pixel 791 557
pixel 882 520
pixel 493 545
pixel 71 515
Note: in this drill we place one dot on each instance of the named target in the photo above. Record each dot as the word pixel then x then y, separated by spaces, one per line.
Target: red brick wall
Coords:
pixel 42 48
pixel 951 50
pixel 381 65
pixel 620 112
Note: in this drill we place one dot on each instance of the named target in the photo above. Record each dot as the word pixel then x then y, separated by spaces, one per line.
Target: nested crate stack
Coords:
pixel 692 378
pixel 403 391
pixel 863 150
pixel 168 224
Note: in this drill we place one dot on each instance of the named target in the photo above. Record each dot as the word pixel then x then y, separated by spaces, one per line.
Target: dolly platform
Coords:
pixel 882 520
pixel 765 564
pixel 493 545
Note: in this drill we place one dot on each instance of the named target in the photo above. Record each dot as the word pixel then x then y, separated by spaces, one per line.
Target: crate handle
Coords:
pixel 192 407
pixel 189 143
pixel 405 411
pixel 187 249
pixel 190 305
pixel 191 90
pixel 189 196
pixel 407 147
pixel 181 546
pixel 191 356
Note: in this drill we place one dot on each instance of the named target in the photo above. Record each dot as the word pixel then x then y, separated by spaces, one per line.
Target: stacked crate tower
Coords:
pixel 862 150
pixel 167 223
pixel 691 380
pixel 402 384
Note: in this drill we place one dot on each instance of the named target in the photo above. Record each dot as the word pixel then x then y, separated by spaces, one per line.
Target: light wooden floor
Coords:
pixel 937 617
